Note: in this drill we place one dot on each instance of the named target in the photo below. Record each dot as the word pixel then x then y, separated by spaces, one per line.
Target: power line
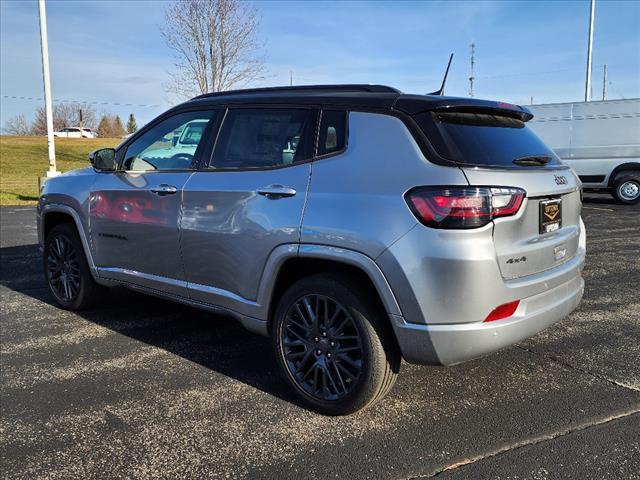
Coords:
pixel 17 97
pixel 538 72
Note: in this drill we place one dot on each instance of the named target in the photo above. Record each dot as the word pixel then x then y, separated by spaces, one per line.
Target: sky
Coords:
pixel 112 52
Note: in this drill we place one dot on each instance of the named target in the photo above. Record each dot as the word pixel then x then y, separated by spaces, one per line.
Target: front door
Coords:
pixel 246 202
pixel 135 212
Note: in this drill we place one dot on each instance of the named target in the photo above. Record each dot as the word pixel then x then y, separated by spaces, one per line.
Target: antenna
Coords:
pixel 473 62
pixel 444 80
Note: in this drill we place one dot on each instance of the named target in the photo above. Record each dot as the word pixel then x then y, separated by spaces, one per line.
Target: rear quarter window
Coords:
pixel 333 132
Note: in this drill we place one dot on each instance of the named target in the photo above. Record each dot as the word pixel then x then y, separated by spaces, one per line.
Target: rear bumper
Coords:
pixel 455 343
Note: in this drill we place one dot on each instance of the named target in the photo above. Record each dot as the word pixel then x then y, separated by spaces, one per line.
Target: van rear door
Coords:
pixel 497 149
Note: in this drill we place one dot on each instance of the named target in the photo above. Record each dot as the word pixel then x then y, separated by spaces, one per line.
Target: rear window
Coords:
pixel 264 137
pixel 483 139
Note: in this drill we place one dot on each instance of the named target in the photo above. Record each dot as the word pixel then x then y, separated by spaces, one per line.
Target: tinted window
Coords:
pixel 267 137
pixel 172 144
pixel 482 139
pixel 333 131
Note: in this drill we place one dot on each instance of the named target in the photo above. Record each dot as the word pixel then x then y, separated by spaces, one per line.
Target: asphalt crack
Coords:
pixel 531 440
pixel 555 359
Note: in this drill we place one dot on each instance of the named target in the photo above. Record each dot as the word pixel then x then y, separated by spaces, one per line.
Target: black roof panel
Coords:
pixel 356 95
pixel 353 88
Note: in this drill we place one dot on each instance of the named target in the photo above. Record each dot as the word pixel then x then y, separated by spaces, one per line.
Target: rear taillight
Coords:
pixel 463 207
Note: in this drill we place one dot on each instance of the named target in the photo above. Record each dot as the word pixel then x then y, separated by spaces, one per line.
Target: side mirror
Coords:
pixel 103 159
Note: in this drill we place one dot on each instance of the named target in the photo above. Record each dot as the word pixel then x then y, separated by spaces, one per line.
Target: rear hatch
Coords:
pixel 495 148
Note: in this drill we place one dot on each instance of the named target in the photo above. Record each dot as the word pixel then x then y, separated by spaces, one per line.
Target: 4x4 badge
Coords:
pixel 560 179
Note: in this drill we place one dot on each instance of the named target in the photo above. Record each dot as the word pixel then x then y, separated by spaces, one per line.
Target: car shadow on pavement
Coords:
pixel 601 199
pixel 213 341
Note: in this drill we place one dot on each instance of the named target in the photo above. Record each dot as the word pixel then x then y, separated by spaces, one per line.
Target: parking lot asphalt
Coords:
pixel 143 388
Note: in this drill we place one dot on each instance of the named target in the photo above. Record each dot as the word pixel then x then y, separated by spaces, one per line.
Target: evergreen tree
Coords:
pixel 132 126
pixel 118 129
pixel 104 127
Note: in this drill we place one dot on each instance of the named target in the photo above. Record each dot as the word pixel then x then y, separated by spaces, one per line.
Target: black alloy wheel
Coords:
pixel 63 269
pixel 333 343
pixel 322 347
pixel 66 269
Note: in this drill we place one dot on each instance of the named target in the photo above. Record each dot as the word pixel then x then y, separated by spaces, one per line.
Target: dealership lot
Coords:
pixel 141 388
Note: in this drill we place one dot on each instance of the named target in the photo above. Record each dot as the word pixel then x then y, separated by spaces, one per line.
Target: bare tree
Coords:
pixel 215 45
pixel 17 126
pixel 65 115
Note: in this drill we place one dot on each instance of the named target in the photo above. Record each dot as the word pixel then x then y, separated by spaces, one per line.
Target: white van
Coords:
pixel 599 140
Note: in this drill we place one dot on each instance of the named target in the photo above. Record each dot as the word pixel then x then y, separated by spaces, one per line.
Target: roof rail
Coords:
pixel 368 88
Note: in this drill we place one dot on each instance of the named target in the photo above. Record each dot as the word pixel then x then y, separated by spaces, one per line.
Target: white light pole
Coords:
pixel 44 45
pixel 587 87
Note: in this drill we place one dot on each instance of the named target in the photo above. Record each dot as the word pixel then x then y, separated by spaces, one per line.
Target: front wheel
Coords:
pixel 66 269
pixel 626 189
pixel 332 345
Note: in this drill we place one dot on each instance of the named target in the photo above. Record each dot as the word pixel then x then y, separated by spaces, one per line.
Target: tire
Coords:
pixel 626 188
pixel 66 270
pixel 346 360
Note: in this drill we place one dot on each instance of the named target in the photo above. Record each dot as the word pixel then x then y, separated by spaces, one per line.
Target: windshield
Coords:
pixel 483 139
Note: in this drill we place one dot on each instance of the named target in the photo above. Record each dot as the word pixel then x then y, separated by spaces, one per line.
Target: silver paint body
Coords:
pixel 594 138
pixel 218 244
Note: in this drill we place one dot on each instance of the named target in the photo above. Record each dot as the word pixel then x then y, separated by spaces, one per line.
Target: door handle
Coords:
pixel 164 189
pixel 276 191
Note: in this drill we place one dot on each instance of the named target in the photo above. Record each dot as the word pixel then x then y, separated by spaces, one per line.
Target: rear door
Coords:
pixel 499 150
pixel 246 201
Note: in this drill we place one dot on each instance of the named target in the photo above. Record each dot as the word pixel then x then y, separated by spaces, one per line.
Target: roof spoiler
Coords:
pixel 489 108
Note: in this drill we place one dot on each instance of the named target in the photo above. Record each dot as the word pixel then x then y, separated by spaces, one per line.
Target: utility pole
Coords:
pixel 604 83
pixel 587 86
pixel 473 62
pixel 291 78
pixel 44 46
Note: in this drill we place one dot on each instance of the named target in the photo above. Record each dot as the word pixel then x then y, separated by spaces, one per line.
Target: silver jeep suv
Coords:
pixel 354 224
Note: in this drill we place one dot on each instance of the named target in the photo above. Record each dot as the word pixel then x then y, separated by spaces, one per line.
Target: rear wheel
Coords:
pixel 626 188
pixel 66 270
pixel 332 345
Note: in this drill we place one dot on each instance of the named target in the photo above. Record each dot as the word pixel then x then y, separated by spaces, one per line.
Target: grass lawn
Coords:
pixel 24 159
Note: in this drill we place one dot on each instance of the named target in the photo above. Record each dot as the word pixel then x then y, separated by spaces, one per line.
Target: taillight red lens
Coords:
pixel 503 311
pixel 463 207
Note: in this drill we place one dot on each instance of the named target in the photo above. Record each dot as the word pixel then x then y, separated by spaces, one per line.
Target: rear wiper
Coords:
pixel 533 160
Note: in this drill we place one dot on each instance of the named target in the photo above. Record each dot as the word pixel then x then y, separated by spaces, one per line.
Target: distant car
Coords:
pixel 76 132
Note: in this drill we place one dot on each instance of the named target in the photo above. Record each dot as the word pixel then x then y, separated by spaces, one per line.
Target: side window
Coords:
pixel 264 137
pixel 333 132
pixel 170 145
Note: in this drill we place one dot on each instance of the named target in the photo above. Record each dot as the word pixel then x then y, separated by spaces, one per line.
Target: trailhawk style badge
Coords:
pixel 550 215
